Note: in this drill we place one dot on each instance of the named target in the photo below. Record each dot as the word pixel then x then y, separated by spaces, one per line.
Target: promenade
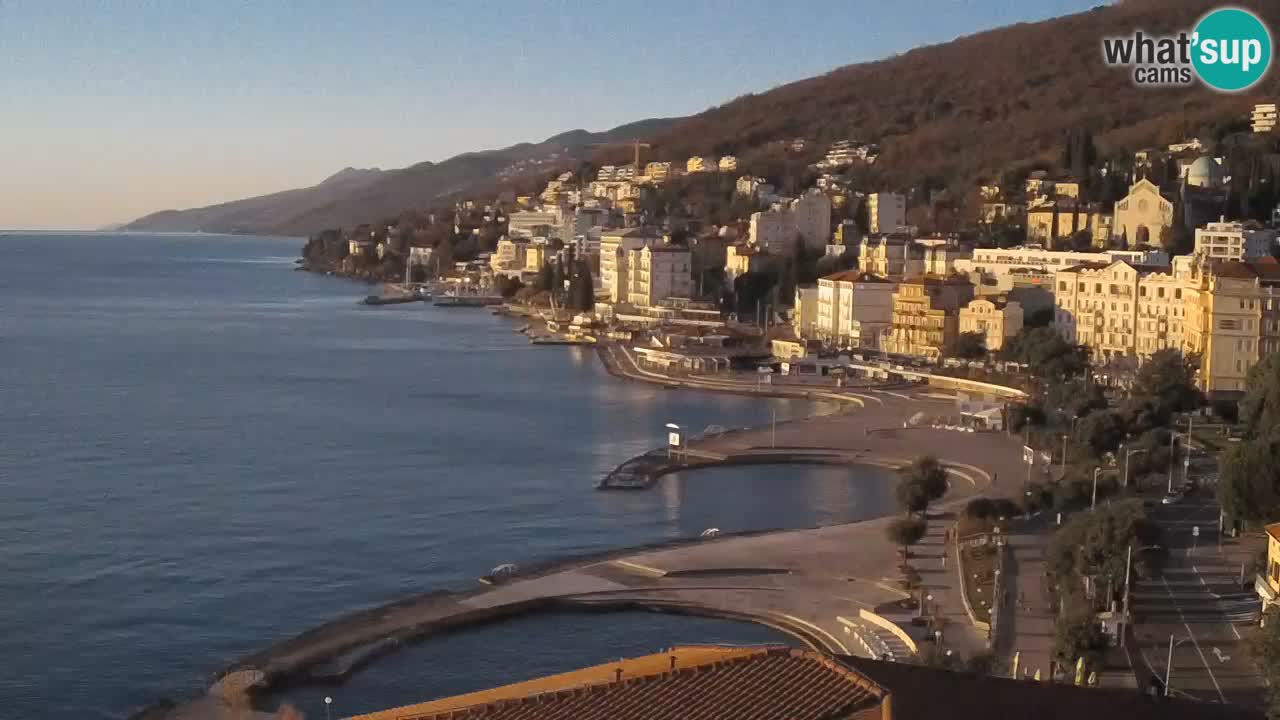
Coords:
pixel 822 585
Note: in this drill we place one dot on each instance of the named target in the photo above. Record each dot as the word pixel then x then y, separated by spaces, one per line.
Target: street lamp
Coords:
pixel 1168 668
pixel 327 702
pixel 1128 454
pixel 1093 501
pixel 1173 437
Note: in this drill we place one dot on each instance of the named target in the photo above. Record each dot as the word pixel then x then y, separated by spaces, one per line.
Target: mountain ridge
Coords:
pixel 355 195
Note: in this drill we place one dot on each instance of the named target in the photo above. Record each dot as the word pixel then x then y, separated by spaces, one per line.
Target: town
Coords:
pixel 1119 315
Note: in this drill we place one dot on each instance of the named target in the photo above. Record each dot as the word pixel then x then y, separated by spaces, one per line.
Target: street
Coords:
pixel 1200 602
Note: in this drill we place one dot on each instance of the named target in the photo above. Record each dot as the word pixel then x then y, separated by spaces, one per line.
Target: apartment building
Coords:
pixel 752 186
pixel 532 223
pixel 1100 306
pixel 925 317
pixel 773 230
pixel 1234 241
pixel 742 258
pixel 659 172
pixel 811 218
pixel 886 212
pixel 1263 117
pixel 728 163
pixel 700 164
pixel 804 314
pixel 997 319
pixel 508 257
pixel 1232 313
pixel 999 262
pixel 658 272
pixel 615 252
pixel 854 309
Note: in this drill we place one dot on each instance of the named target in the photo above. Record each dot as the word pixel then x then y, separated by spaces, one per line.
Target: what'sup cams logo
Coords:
pixel 1228 50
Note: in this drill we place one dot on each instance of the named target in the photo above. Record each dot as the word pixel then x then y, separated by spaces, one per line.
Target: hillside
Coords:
pixel 974 107
pixel 353 196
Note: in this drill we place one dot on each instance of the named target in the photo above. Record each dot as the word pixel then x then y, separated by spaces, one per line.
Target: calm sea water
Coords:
pixel 202 451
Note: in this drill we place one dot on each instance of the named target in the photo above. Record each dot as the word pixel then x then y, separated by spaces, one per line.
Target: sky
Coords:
pixel 113 109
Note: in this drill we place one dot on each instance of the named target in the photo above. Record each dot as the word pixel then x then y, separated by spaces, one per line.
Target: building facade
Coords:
pixel 1234 241
pixel 925 318
pixel 1143 216
pixel 657 273
pixel 886 212
pixel 854 309
pixel 996 319
pixel 615 250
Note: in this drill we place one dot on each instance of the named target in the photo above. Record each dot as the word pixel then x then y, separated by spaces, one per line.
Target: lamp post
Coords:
pixel 1093 501
pixel 1173 437
pixel 327 702
pixel 1128 454
pixel 1168 668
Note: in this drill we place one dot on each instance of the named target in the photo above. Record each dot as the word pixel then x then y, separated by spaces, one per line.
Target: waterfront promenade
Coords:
pixel 832 587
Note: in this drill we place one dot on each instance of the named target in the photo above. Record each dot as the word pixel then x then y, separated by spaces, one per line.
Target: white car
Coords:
pixel 1170 499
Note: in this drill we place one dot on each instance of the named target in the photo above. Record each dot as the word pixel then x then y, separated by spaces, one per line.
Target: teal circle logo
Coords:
pixel 1231 49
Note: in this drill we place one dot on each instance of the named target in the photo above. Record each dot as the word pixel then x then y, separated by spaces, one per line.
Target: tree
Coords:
pixel 1048 355
pixel 1249 486
pixel 967 346
pixel 1264 648
pixel 906 531
pixel 911 495
pixel 1260 408
pixel 546 278
pixel 929 474
pixel 1167 381
pixel 1101 431
pixel 1078 635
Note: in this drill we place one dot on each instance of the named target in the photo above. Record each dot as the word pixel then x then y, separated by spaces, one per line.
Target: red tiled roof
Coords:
pixel 764 684
pixel 922 693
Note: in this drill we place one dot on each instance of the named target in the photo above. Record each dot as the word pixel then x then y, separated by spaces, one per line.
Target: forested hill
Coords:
pixel 981 104
pixel 352 196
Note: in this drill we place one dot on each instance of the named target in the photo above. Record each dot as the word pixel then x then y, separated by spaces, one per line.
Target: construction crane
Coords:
pixel 632 144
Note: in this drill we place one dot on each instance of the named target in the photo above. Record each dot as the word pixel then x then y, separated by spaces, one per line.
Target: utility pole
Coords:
pixel 1093 500
pixel 1064 455
pixel 1168 668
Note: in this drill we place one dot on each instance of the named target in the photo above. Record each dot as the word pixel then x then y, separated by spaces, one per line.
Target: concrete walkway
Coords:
pixel 1026 617
pixel 812 583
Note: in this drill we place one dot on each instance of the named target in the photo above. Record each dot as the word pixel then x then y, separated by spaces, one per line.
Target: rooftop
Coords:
pixel 767 683
pixel 855 276
pixel 688 683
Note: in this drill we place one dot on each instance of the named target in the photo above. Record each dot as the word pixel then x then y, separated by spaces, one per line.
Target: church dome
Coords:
pixel 1205 172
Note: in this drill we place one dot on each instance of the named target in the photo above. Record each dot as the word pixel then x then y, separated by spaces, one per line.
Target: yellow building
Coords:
pixel 925 316
pixel 1267 584
pixel 659 172
pixel 1227 314
pixel 699 164
pixel 996 319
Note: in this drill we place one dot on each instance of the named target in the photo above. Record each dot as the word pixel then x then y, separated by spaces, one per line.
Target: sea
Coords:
pixel 203 450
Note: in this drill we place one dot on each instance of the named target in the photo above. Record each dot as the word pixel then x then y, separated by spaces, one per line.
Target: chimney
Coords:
pixel 618 675
pixel 673 662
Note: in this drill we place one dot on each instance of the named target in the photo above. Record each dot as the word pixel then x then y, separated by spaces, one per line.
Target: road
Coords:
pixel 1199 601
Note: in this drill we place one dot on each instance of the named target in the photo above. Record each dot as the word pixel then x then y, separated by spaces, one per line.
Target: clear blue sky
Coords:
pixel 112 109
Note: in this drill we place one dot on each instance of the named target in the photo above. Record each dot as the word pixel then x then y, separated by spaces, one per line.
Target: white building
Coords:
pixel 752 186
pixel 1264 117
pixel 854 308
pixel 615 250
pixel 804 317
pixel 811 218
pixel 531 223
pixel 659 272
pixel 728 163
pixel 997 262
pixel 773 230
pixel 1234 241
pixel 699 164
pixel 886 212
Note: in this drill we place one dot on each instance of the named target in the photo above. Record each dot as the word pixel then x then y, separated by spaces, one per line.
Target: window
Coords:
pixel 1228 324
pixel 1177 293
pixel 1062 285
pixel 1160 292
pixel 1142 291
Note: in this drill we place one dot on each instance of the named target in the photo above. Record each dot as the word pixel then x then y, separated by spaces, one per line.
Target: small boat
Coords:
pixel 389 299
